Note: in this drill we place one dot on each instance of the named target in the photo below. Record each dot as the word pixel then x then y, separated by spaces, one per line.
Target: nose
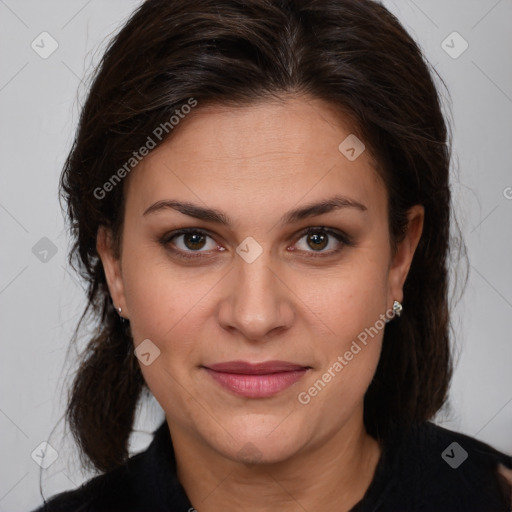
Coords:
pixel 258 304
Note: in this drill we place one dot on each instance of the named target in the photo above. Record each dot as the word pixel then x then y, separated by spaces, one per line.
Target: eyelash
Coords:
pixel 341 237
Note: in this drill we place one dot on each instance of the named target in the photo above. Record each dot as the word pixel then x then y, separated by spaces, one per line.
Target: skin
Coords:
pixel 255 164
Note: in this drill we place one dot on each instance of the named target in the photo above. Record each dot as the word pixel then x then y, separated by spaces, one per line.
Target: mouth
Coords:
pixel 260 380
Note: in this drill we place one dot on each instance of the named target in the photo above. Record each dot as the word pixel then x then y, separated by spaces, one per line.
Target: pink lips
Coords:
pixel 256 380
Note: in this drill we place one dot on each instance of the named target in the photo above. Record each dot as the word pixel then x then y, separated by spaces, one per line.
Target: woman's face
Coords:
pixel 255 288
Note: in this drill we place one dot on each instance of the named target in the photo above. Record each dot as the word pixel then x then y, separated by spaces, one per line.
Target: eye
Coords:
pixel 190 243
pixel 316 239
pixel 187 241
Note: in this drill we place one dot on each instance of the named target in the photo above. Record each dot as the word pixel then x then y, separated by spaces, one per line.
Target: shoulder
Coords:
pixel 112 491
pixel 146 481
pixel 433 468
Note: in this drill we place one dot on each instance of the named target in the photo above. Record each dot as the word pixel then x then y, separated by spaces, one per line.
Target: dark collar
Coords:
pixel 160 477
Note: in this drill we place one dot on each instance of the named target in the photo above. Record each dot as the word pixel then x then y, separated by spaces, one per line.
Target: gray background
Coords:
pixel 40 302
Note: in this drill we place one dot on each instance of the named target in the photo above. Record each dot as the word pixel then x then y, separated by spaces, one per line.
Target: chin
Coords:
pixel 261 441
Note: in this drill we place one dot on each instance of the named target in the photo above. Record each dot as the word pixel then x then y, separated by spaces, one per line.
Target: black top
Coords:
pixel 429 469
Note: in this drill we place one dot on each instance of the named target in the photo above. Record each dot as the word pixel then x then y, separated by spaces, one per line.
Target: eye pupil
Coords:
pixel 319 240
pixel 195 240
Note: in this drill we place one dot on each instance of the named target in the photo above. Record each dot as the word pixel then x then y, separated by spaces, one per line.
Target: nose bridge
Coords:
pixel 255 279
pixel 258 303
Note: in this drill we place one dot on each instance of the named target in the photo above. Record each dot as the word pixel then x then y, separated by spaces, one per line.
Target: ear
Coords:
pixel 112 268
pixel 405 251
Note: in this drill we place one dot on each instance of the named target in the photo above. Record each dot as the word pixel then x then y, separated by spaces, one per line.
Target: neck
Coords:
pixel 332 475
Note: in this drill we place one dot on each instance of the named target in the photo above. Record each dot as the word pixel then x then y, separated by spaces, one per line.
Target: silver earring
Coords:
pixel 124 321
pixel 397 310
pixel 118 308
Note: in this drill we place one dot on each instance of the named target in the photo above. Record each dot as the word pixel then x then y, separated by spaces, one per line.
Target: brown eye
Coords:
pixel 194 241
pixel 188 241
pixel 313 241
pixel 318 240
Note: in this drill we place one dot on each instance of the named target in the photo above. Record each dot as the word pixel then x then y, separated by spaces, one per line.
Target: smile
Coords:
pixel 256 380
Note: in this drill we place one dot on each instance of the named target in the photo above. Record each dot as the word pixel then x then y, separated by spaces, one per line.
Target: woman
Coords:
pixel 259 198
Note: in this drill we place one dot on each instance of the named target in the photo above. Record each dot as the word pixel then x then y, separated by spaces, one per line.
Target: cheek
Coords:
pixel 347 299
pixel 160 296
pixel 161 304
pixel 169 306
pixel 351 306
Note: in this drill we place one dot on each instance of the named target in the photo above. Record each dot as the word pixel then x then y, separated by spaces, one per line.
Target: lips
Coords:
pixel 256 380
pixel 241 367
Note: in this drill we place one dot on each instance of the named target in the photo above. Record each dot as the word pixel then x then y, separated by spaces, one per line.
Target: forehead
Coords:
pixel 268 152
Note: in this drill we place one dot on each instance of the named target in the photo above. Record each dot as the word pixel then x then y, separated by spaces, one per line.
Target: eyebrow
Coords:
pixel 219 217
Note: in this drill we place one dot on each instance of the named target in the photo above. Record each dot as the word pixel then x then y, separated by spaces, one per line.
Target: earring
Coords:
pixel 397 311
pixel 117 308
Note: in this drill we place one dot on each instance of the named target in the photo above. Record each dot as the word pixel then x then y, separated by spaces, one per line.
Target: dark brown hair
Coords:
pixel 355 55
